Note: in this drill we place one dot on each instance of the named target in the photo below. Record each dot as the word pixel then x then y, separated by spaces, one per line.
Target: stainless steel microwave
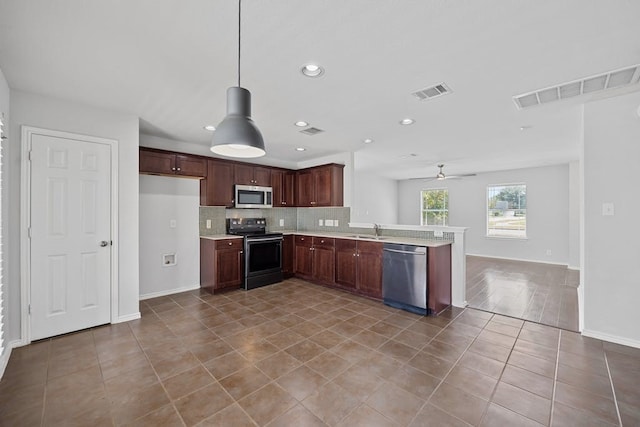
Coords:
pixel 253 197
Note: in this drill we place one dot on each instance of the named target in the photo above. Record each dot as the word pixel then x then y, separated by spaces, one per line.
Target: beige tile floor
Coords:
pixel 296 354
pixel 538 292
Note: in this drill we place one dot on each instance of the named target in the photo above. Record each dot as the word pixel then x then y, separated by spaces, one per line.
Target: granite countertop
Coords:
pixel 371 238
pixel 351 236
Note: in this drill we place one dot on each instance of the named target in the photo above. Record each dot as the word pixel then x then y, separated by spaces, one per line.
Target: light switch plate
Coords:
pixel 320 222
pixel 208 223
pixel 172 223
pixel 607 209
pixel 335 223
pixel 438 233
pixel 281 222
pixel 328 222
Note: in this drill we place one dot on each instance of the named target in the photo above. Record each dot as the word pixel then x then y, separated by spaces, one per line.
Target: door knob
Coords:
pixel 104 243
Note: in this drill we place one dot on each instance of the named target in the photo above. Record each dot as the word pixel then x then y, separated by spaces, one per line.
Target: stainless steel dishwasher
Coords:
pixel 404 277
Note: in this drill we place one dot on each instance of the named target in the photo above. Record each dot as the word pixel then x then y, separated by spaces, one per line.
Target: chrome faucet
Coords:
pixel 376 229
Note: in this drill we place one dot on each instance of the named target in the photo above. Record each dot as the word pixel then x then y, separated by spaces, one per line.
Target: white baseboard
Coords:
pixel 573 267
pixel 611 338
pixel 463 304
pixel 519 259
pixel 169 292
pixel 127 318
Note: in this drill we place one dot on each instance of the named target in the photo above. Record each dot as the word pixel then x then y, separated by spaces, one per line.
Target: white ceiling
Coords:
pixel 170 62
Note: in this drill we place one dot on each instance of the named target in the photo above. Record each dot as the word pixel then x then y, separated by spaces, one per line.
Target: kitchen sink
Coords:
pixel 357 236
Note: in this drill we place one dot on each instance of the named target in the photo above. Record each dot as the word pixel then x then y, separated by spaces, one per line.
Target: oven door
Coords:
pixel 263 255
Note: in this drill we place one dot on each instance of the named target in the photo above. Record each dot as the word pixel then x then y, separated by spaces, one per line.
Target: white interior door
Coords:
pixel 70 257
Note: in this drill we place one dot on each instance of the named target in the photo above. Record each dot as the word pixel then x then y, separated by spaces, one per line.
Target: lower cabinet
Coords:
pixel 221 264
pixel 438 278
pixel 288 249
pixel 314 258
pixel 359 267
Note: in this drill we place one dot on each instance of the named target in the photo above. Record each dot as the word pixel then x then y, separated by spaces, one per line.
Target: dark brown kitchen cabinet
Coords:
pixel 359 267
pixel 288 249
pixel 438 278
pixel 221 264
pixel 314 258
pixel 283 183
pixel 158 162
pixel 252 175
pixel 320 186
pixel 217 188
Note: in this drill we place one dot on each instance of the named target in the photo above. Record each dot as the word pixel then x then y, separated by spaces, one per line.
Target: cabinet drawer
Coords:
pixel 324 242
pixel 229 244
pixel 304 241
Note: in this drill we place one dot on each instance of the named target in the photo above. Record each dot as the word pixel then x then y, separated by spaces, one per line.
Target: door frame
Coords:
pixel 25 221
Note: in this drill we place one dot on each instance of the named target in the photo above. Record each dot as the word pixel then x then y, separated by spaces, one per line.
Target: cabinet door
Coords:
pixel 287 256
pixel 303 257
pixel 228 268
pixel 217 188
pixel 439 278
pixel 323 187
pixel 277 183
pixel 324 265
pixel 305 193
pixel 157 163
pixel 346 263
pixel 191 166
pixel 262 176
pixel 243 175
pixel 289 189
pixel 369 280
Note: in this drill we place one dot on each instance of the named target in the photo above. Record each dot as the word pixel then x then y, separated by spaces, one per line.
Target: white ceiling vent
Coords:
pixel 432 92
pixel 311 131
pixel 609 80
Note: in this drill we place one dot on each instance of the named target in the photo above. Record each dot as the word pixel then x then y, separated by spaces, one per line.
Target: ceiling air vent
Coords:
pixel 609 80
pixel 432 92
pixel 311 131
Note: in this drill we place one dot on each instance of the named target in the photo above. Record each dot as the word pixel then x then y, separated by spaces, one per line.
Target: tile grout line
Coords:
pixel 555 379
pixel 613 390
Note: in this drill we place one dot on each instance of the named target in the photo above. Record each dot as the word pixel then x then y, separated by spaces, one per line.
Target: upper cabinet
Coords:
pixel 284 186
pixel 320 186
pixel 217 189
pixel 252 175
pixel 157 162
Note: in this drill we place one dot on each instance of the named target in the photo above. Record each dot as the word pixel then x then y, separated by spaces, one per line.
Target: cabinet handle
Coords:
pixel 178 168
pixel 173 169
pixel 321 241
pixel 241 252
pixel 230 243
pixel 354 254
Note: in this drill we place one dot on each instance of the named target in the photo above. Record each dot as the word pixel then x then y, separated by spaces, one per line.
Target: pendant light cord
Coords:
pixel 239 30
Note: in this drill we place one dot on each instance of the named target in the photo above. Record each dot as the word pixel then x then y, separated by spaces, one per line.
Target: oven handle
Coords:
pixel 265 239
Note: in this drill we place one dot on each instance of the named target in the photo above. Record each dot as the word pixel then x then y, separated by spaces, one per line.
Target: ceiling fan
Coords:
pixel 440 176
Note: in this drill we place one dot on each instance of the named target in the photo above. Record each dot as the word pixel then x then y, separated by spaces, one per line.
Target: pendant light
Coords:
pixel 237 135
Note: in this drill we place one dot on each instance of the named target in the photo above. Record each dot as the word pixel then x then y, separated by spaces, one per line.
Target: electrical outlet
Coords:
pixel 172 223
pixel 320 222
pixel 208 223
pixel 328 222
pixel 548 252
pixel 335 222
pixel 438 233
pixel 607 209
pixel 281 222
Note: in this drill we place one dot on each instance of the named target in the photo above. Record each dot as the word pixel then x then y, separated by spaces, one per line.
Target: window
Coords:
pixel 435 207
pixel 507 210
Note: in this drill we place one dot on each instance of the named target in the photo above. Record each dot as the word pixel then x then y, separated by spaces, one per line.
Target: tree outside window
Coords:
pixel 507 210
pixel 435 207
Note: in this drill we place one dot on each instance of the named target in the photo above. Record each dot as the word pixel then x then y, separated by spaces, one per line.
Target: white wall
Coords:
pixel 547 212
pixel 611 279
pixel 375 199
pixel 163 199
pixel 574 215
pixel 50 113
pixel 4 109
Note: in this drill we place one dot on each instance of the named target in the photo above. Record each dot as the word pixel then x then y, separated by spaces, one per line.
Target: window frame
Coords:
pixel 423 210
pixel 524 235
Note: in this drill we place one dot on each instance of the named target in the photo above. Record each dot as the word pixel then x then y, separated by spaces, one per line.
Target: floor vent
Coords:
pixel 609 80
pixel 311 131
pixel 432 92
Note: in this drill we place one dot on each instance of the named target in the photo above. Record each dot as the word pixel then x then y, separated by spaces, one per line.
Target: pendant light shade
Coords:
pixel 237 135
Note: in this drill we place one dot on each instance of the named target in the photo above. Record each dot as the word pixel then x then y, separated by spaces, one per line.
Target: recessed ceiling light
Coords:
pixel 301 149
pixel 209 128
pixel 368 141
pixel 406 121
pixel 312 70
pixel 301 124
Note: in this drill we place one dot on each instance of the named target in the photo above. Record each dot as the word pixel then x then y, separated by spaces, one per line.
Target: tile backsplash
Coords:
pixel 301 219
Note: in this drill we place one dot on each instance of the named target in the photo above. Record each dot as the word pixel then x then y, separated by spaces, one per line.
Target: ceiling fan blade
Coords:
pixel 423 178
pixel 459 176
